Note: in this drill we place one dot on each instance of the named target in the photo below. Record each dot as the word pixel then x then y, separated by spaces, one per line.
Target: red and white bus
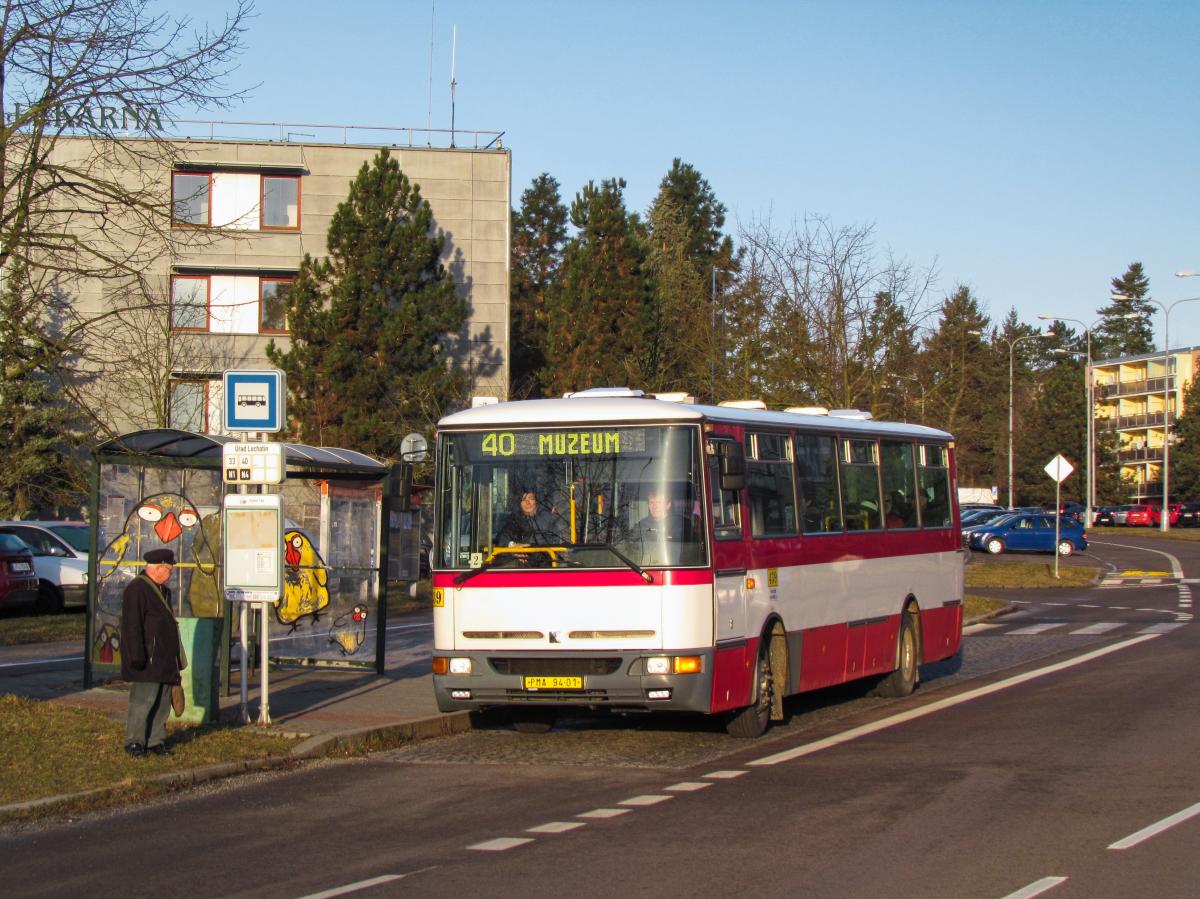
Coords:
pixel 613 550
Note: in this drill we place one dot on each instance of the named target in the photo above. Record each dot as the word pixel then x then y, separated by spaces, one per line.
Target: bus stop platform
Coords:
pixel 323 709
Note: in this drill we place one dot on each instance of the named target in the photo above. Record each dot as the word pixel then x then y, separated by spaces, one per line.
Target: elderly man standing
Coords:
pixel 151 654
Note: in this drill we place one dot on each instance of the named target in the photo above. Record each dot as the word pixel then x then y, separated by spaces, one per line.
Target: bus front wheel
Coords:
pixel 752 721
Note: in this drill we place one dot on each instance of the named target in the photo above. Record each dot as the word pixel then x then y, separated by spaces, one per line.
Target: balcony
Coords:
pixel 1130 388
pixel 1130 422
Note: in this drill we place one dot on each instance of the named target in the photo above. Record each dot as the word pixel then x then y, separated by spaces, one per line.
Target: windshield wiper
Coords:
pixel 646 576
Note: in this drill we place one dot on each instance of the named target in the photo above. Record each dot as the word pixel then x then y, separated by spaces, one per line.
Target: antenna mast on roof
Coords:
pixel 432 24
pixel 453 83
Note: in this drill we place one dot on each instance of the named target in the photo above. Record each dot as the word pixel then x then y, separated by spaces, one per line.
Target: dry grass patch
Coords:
pixel 998 574
pixel 19 629
pixel 978 607
pixel 51 749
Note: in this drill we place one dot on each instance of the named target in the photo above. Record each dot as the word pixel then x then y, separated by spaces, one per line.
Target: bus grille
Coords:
pixel 555 666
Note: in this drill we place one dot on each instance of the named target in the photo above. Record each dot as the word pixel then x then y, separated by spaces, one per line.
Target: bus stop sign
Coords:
pixel 254 400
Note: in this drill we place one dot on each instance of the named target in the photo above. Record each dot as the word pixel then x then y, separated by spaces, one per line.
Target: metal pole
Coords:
pixel 1164 516
pixel 264 705
pixel 243 665
pixel 1011 346
pixel 1089 486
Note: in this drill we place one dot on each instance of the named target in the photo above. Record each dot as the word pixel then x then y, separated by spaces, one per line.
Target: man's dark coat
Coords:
pixel 149 635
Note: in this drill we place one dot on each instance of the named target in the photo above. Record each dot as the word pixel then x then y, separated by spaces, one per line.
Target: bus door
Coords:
pixel 727 479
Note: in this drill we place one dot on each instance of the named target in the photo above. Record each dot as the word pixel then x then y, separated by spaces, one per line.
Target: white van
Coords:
pixel 60 558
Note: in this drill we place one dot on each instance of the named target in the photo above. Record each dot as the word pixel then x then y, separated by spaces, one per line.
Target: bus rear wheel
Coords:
pixel 752 721
pixel 903 680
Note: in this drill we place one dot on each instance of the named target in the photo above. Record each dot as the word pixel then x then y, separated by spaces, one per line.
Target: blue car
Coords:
pixel 1029 533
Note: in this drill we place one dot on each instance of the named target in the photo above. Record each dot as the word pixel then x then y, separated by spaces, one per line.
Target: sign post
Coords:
pixel 252 524
pixel 1059 469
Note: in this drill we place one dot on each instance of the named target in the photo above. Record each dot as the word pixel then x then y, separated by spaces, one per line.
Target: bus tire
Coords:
pixel 533 721
pixel 903 680
pixel 752 721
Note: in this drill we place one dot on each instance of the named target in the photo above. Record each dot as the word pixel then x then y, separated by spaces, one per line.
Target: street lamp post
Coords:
pixel 1012 346
pixel 1090 486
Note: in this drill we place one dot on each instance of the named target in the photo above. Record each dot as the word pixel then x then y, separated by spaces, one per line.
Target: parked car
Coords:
pixel 1104 515
pixel 983 522
pixel 1029 533
pixel 1120 515
pixel 1140 515
pixel 60 558
pixel 1066 510
pixel 964 508
pixel 18 582
pixel 1189 515
pixel 1172 515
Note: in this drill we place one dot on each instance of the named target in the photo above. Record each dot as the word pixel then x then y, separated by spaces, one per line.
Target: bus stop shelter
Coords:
pixel 163 488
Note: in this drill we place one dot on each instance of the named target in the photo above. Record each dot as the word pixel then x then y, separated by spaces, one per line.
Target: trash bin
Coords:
pixel 201 639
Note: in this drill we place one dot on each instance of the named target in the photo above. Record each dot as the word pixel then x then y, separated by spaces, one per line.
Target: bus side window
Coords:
pixel 817 477
pixel 935 487
pixel 726 505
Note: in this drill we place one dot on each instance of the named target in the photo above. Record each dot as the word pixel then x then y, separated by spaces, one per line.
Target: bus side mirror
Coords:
pixel 733 465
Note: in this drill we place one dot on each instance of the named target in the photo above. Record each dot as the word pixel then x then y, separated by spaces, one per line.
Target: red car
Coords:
pixel 1172 515
pixel 1141 515
pixel 18 582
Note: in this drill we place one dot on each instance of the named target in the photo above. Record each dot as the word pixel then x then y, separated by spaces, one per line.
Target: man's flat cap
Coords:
pixel 160 557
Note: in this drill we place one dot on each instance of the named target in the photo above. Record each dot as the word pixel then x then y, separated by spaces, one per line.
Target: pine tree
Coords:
pixel 539 234
pixel 1120 336
pixel 685 246
pixel 961 390
pixel 39 430
pixel 599 322
pixel 367 362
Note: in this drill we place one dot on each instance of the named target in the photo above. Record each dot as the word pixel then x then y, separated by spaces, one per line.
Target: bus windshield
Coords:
pixel 584 496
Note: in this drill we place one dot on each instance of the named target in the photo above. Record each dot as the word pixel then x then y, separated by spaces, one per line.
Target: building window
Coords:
pixel 189 303
pixel 189 406
pixel 190 199
pixel 273 296
pixel 280 202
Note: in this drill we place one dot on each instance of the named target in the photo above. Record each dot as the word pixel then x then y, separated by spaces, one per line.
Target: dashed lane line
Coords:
pixel 639 801
pixel 1100 627
pixel 604 813
pixel 724 775
pixel 688 786
pixel 1035 629
pixel 361 885
pixel 1156 828
pixel 556 827
pixel 501 844
pixel 1037 888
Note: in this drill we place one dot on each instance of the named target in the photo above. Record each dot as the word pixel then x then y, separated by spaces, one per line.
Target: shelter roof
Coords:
pixel 204 451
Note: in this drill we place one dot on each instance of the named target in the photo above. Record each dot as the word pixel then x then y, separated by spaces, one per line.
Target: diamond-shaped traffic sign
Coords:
pixel 1059 468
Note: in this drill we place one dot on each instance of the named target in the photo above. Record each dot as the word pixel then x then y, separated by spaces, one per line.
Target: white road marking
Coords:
pixel 1176 568
pixel 1162 627
pixel 501 844
pixel 688 786
pixel 949 702
pixel 976 628
pixel 1100 627
pixel 556 827
pixel 1036 888
pixel 645 800
pixel 1155 829
pixel 41 662
pixel 1084 605
pixel 605 813
pixel 724 775
pixel 359 885
pixel 1035 628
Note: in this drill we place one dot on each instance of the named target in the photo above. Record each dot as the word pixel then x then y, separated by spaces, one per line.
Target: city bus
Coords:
pixel 614 550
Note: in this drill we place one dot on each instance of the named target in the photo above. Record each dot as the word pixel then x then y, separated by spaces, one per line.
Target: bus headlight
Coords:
pixel 460 666
pixel 658 665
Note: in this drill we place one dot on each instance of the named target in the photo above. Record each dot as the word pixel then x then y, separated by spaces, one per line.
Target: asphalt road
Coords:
pixel 1055 757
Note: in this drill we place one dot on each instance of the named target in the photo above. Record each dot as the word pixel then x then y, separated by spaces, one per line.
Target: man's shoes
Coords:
pixel 137 750
pixel 160 749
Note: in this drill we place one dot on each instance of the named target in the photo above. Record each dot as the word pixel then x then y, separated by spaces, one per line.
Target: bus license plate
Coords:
pixel 554 683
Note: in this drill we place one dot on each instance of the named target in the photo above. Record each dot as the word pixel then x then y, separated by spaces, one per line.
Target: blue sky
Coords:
pixel 1030 150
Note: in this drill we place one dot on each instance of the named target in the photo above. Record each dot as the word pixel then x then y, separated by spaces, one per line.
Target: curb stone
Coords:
pixel 370 738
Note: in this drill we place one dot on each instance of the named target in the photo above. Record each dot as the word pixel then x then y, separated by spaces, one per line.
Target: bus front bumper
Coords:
pixel 612 680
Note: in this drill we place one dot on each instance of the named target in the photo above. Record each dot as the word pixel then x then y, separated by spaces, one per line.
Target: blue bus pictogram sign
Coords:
pixel 254 400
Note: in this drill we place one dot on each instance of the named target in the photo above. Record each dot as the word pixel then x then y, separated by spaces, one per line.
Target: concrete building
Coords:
pixel 245 210
pixel 1132 395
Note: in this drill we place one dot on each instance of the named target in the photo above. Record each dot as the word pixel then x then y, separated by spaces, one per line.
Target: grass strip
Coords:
pixel 1106 532
pixel 1003 574
pixel 19 629
pixel 50 749
pixel 979 607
